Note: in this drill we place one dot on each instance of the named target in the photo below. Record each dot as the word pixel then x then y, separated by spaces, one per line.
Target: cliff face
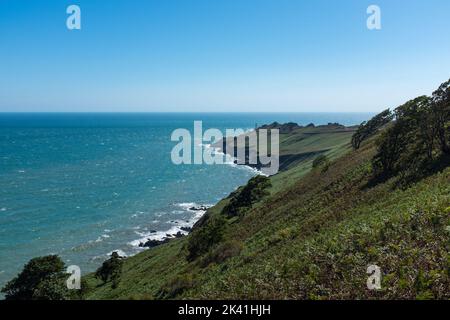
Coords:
pixel 309 233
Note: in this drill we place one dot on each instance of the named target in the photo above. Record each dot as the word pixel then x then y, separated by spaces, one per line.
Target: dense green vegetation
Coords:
pixel 369 128
pixel 206 236
pixel 41 278
pixel 418 140
pixel 311 231
pixel 111 270
pixel 243 199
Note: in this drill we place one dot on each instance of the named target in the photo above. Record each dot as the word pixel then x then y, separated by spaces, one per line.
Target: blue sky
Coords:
pixel 220 55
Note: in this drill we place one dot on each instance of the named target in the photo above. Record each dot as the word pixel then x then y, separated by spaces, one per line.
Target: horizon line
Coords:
pixel 179 112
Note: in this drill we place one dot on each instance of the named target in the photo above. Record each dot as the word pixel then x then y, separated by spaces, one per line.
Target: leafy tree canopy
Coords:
pixel 41 278
pixel 111 270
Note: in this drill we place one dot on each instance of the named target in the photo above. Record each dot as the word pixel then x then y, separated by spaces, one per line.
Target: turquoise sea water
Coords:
pixel 83 185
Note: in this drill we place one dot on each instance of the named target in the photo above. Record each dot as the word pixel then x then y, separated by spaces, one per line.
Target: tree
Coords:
pixel 111 270
pixel 441 116
pixel 402 142
pixel 369 128
pixel 41 278
pixel 418 139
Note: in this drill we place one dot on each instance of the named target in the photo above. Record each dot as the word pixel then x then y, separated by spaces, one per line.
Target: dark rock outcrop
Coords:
pixel 153 243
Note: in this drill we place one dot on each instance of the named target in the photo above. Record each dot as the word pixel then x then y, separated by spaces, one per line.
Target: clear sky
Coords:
pixel 220 55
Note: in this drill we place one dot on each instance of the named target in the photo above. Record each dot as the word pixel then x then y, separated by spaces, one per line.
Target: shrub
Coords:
pixel 282 235
pixel 320 160
pixel 176 286
pixel 203 238
pixel 222 252
pixel 255 189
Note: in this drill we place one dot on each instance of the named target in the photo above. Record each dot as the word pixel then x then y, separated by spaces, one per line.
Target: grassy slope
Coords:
pixel 313 237
pixel 305 145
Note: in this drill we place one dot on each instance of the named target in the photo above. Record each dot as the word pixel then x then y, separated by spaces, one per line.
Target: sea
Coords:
pixel 82 185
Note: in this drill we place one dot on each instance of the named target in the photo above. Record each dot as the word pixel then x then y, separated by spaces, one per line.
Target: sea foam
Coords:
pixel 178 226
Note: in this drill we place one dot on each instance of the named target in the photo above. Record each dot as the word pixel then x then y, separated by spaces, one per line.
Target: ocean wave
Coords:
pixel 178 226
pixel 102 237
pixel 231 161
pixel 91 243
pixel 189 205
pixel 186 205
pixel 158 235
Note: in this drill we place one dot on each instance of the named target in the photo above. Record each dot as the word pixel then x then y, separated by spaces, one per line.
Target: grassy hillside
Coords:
pixel 345 199
pixel 299 146
pixel 312 235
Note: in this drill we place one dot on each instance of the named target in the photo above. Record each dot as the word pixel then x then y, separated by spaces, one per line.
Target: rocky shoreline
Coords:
pixel 151 243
